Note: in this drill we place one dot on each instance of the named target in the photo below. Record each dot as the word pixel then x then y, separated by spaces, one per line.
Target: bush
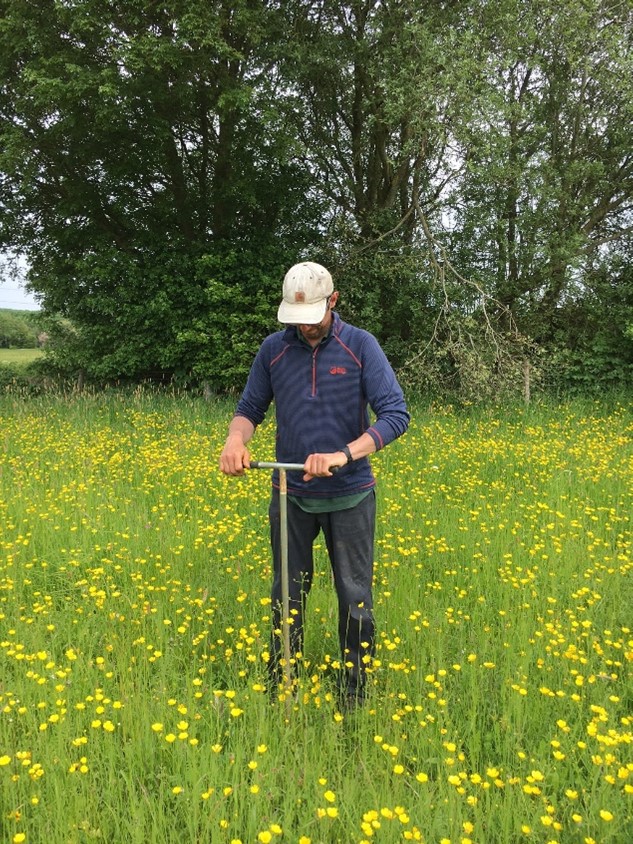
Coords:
pixel 16 331
pixel 12 377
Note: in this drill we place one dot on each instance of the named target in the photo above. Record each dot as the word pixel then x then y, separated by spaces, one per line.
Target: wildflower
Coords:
pixel 606 815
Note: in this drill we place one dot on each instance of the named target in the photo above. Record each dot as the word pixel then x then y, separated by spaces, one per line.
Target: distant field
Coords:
pixel 19 355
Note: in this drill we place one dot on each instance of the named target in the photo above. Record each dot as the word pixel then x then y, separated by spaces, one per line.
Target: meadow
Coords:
pixel 134 625
pixel 19 356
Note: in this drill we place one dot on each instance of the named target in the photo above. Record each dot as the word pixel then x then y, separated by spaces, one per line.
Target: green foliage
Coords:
pixel 11 376
pixel 593 340
pixel 548 175
pixel 240 293
pixel 190 322
pixel 469 360
pixel 389 291
pixel 16 330
pixel 160 166
pixel 134 141
pixel 25 379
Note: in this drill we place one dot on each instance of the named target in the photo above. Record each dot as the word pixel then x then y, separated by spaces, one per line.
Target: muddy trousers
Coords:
pixel 349 538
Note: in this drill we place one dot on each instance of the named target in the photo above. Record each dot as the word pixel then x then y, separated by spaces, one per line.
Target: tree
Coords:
pixel 371 96
pixel 15 331
pixel 549 176
pixel 136 139
pixel 464 168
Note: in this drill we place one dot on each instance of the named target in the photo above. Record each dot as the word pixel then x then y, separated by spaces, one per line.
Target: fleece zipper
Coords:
pixel 314 372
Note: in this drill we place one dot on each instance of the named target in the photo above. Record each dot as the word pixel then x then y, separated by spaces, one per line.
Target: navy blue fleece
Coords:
pixel 322 396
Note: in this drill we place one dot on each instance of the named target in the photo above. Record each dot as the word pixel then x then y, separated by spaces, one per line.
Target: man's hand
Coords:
pixel 319 465
pixel 235 456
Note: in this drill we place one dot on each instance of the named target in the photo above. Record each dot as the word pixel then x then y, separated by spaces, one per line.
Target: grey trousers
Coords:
pixel 349 538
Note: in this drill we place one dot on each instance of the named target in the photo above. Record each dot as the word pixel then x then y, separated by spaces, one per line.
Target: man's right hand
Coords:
pixel 235 456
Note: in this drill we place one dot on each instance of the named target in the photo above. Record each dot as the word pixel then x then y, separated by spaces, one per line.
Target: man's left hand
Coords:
pixel 319 465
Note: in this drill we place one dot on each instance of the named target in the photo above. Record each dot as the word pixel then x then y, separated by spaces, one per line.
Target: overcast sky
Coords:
pixel 12 295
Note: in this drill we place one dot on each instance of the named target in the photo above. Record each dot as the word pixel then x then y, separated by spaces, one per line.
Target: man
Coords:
pixel 322 374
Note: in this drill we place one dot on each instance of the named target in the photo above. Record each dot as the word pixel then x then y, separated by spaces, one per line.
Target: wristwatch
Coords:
pixel 347 453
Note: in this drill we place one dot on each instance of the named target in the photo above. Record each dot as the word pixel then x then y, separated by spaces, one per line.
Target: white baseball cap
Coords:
pixel 306 289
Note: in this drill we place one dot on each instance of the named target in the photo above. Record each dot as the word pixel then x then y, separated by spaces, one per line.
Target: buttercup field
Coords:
pixel 134 628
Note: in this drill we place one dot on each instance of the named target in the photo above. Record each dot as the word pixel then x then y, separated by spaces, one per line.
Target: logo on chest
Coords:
pixel 338 370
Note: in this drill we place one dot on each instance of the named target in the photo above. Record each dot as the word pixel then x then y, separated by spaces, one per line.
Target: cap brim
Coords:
pixel 302 314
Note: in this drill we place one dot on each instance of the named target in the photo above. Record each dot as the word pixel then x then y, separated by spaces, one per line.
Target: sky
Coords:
pixel 12 293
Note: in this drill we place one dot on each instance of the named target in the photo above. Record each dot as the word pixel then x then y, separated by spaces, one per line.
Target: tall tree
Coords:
pixel 375 142
pixel 549 177
pixel 135 139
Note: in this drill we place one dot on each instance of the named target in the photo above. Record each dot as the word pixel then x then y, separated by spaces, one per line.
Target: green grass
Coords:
pixel 134 622
pixel 19 356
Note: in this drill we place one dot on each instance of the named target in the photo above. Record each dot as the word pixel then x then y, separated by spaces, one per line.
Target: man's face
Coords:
pixel 313 334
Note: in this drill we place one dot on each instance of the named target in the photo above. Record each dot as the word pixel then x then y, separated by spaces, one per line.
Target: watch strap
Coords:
pixel 347 453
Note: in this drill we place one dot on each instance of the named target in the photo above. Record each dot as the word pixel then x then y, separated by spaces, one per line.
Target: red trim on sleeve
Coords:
pixel 381 443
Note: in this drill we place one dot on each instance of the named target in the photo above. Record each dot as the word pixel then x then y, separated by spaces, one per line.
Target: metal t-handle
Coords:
pixel 283 529
pixel 286 467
